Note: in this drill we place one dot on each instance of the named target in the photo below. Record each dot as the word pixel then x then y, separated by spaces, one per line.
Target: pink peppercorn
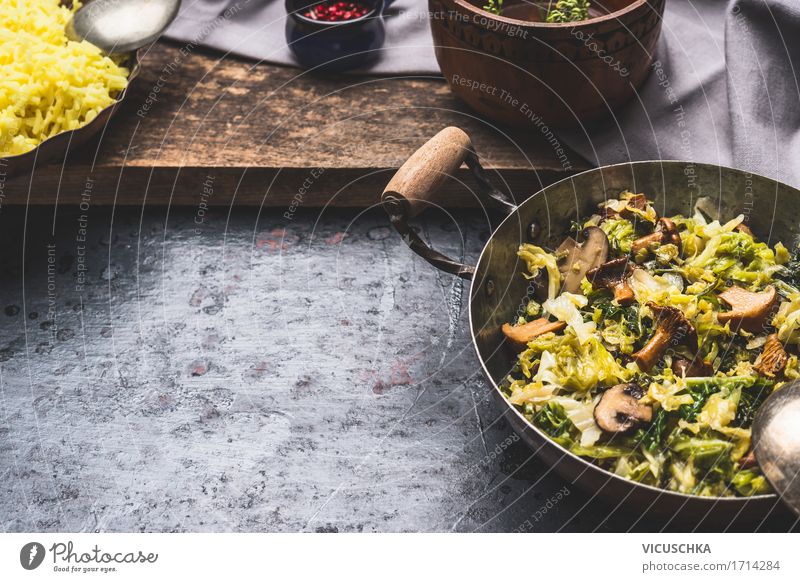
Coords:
pixel 336 11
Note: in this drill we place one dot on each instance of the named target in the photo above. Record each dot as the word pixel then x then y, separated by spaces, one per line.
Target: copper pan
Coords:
pixel 773 211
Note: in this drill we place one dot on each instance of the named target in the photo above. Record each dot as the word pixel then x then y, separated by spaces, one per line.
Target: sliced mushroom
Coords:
pixel 619 409
pixel 613 275
pixel 671 328
pixel 608 213
pixel 772 359
pixel 671 234
pixel 645 242
pixel 748 461
pixel 576 259
pixel 665 233
pixel 748 309
pixel 634 202
pixel 519 335
pixel 692 368
pixel 637 201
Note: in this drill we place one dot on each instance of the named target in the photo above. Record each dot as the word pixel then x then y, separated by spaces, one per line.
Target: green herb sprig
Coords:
pixel 568 11
pixel 561 11
pixel 494 6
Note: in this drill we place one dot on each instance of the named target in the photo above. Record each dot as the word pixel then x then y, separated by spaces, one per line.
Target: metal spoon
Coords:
pixel 776 438
pixel 121 26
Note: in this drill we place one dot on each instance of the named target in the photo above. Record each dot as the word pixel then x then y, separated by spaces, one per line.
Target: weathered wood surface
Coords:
pixel 252 373
pixel 256 130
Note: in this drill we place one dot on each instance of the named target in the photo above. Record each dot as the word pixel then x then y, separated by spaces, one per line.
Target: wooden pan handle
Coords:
pixel 417 181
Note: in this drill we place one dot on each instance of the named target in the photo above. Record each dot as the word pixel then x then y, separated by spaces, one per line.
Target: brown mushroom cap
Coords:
pixel 748 309
pixel 519 335
pixel 670 232
pixel 613 275
pixel 772 359
pixel 619 409
pixel 665 233
pixel 671 328
pixel 576 259
pixel 692 368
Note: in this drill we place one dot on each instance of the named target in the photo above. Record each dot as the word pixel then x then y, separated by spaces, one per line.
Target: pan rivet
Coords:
pixel 489 288
pixel 534 230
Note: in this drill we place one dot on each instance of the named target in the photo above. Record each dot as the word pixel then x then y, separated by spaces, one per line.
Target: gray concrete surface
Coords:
pixel 179 372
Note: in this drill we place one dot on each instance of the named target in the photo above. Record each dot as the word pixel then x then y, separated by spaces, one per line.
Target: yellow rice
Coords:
pixel 48 84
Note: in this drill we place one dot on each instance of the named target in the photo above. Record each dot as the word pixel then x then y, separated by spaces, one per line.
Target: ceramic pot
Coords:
pixel 335 46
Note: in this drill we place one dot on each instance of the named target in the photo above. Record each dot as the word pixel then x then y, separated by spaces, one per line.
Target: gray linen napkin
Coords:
pixel 723 90
pixel 255 29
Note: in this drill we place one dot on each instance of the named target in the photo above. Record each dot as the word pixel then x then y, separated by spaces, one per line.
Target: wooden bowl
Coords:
pixel 540 74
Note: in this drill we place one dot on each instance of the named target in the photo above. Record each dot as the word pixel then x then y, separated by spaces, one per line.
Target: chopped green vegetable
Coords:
pixel 568 11
pixel 553 420
pixel 652 436
pixel 702 388
pixel 749 401
pixel 681 419
pixel 536 258
pixel 620 232
pixel 600 451
pixel 791 269
pixel 493 6
pixel 750 482
pixel 701 448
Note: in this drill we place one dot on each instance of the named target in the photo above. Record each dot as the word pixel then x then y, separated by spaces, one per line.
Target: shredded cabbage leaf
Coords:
pixel 536 259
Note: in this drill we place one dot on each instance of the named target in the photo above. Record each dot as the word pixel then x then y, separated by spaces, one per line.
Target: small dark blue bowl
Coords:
pixel 335 46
